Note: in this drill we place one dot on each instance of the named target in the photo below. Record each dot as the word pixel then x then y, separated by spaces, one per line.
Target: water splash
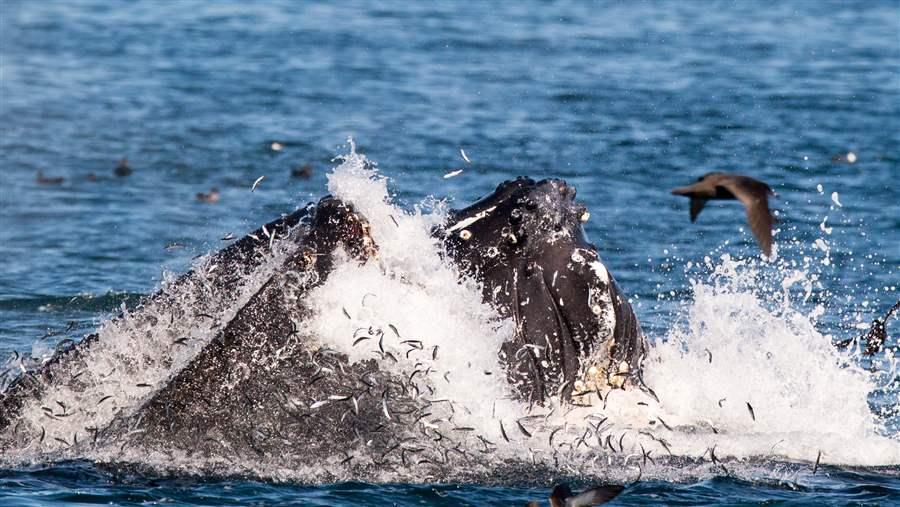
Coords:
pixel 744 370
pixel 133 355
pixel 747 372
pixel 738 348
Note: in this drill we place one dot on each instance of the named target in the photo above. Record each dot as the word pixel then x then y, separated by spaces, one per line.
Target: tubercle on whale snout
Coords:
pixel 528 206
pixel 575 330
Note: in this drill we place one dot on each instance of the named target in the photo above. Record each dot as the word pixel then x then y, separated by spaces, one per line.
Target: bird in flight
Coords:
pixel 754 194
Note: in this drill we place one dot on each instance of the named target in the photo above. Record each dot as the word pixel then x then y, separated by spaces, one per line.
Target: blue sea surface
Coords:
pixel 624 100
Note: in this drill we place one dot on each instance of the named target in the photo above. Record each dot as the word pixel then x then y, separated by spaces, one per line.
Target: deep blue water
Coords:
pixel 624 100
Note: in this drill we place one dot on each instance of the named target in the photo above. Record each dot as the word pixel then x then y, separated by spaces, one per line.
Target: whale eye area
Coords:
pixel 517 218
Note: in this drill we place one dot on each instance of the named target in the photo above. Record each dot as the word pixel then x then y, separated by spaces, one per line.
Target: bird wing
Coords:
pixel 755 197
pixel 595 496
pixel 892 310
pixel 696 207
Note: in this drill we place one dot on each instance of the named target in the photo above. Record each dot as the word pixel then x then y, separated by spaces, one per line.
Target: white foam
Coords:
pixel 411 292
pixel 805 397
pixel 733 349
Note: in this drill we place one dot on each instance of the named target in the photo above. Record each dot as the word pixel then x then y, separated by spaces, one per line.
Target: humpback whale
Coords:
pixel 575 331
pixel 251 384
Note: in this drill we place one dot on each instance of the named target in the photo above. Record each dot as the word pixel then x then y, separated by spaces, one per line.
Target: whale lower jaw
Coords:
pixel 258 391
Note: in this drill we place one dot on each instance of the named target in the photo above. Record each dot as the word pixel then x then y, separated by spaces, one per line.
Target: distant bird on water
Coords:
pixel 212 197
pixel 562 496
pixel 44 180
pixel 304 173
pixel 122 168
pixel 753 193
pixel 845 158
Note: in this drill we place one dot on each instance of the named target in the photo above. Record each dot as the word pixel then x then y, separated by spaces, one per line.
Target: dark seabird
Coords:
pixel 562 496
pixel 122 168
pixel 212 197
pixel 303 173
pixel 875 336
pixel 754 194
pixel 43 180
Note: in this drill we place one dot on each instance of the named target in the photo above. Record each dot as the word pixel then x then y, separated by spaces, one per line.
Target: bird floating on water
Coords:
pixel 844 158
pixel 754 194
pixel 212 197
pixel 562 496
pixel 45 180
pixel 304 173
pixel 122 168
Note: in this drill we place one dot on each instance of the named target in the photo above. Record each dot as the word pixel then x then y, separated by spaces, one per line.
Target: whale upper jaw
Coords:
pixel 525 243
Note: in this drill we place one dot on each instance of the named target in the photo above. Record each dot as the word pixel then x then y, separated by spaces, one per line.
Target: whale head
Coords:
pixel 575 332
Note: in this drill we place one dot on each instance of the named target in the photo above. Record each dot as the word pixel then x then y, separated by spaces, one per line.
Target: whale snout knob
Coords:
pixel 617 379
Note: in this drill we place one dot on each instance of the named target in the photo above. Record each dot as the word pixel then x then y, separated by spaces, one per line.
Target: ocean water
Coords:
pixel 622 100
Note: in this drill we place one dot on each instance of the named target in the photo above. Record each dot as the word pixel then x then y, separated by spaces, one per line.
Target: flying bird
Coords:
pixel 754 194
pixel 562 496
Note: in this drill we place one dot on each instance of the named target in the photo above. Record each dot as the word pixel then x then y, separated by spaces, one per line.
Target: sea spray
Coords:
pixel 734 351
pixel 135 354
pixel 742 373
pixel 410 294
pixel 743 347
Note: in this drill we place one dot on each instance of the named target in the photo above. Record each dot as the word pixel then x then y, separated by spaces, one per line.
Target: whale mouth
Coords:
pixel 525 244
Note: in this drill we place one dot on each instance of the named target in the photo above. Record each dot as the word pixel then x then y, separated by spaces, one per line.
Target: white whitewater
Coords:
pixel 736 347
pixel 732 347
